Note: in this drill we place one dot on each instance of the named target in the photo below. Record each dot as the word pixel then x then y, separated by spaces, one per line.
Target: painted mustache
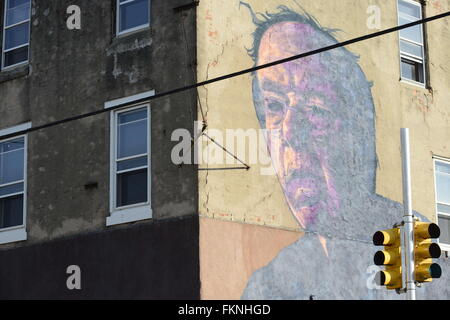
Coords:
pixel 305 191
pixel 305 184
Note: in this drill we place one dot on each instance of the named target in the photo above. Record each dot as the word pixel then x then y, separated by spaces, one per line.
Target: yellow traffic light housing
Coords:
pixel 425 250
pixel 390 257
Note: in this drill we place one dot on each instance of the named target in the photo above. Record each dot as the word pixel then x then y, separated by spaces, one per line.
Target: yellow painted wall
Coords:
pixel 225 31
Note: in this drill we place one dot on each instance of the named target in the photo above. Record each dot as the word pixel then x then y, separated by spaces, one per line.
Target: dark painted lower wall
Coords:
pixel 143 261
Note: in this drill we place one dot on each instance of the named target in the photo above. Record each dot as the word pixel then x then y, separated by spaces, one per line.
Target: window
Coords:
pixel 13 185
pixel 130 165
pixel 442 172
pixel 16 32
pixel 412 53
pixel 131 157
pixel 132 15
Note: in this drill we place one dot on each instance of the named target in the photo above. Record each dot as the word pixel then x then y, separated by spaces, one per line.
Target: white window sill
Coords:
pixel 122 101
pixel 129 215
pixel 130 31
pixel 413 83
pixel 15 66
pixel 15 129
pixel 13 235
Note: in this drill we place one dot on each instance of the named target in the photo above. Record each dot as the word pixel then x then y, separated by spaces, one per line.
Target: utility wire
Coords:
pixel 232 75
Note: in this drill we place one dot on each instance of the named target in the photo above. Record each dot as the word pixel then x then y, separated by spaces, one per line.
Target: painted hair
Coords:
pixel 356 159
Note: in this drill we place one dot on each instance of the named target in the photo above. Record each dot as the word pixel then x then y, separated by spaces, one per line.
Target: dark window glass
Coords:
pixel 16 56
pixel 412 33
pixel 16 3
pixel 411 42
pixel 132 116
pixel 11 166
pixel 132 188
pixel 411 49
pixel 412 70
pixel 134 14
pixel 132 163
pixel 16 32
pixel 409 9
pixel 11 161
pixel 132 133
pixel 11 175
pixel 11 211
pixel 443 167
pixel 442 184
pixel 443 208
pixel 11 188
pixel 16 36
pixel 12 145
pixel 444 224
pixel 18 14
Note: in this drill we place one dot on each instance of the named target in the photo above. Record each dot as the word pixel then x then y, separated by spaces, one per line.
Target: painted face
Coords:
pixel 300 111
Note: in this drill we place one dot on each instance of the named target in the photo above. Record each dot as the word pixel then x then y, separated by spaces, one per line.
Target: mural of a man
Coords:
pixel 320 116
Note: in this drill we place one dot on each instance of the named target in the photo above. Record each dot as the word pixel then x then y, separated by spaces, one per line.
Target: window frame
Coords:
pixel 134 212
pixel 409 57
pixel 17 233
pixel 4 28
pixel 134 29
pixel 444 246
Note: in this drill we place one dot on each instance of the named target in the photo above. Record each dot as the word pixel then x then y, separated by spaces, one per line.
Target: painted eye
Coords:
pixel 319 111
pixel 275 106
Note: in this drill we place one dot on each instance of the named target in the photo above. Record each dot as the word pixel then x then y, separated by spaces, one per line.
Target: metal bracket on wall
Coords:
pixel 247 167
pixel 91 185
pixel 187 6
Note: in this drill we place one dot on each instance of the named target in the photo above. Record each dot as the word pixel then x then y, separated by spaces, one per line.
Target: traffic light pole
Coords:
pixel 408 218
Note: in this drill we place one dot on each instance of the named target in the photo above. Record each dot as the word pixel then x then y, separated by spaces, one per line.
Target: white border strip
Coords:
pixel 11 130
pixel 14 235
pixel 129 215
pixel 118 102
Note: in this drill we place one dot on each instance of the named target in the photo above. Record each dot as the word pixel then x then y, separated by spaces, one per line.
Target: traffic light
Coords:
pixel 425 250
pixel 390 257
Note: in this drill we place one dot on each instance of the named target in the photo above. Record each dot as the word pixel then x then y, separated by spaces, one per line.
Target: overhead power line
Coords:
pixel 232 75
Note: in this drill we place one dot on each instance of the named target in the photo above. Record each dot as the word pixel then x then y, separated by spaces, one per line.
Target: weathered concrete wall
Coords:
pixel 347 166
pixel 72 72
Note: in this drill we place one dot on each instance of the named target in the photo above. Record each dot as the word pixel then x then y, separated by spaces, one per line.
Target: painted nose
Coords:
pixel 288 125
pixel 297 129
pixel 289 119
